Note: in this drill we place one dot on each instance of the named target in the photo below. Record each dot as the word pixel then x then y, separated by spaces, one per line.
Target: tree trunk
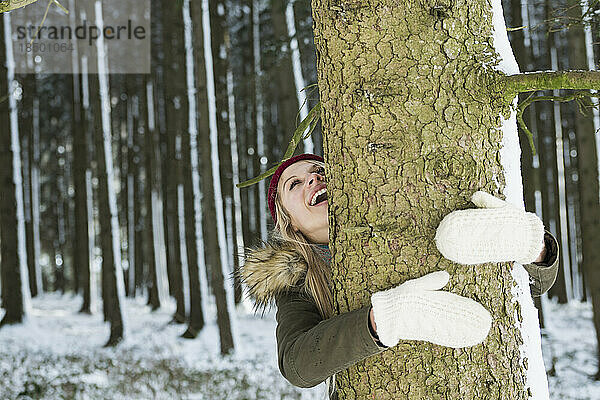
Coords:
pixel 81 171
pixel 588 176
pixel 412 127
pixel 306 48
pixel 13 256
pixel 285 95
pixel 220 50
pixel 191 187
pixel 210 181
pixel 112 272
pixel 158 88
pixel 176 118
pixel 30 182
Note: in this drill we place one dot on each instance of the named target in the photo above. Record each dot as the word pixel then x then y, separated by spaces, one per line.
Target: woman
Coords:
pixel 293 272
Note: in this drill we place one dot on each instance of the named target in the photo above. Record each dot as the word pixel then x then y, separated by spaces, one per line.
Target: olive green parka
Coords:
pixel 310 348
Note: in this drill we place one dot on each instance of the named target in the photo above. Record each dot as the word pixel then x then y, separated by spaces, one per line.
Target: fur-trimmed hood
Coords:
pixel 273 269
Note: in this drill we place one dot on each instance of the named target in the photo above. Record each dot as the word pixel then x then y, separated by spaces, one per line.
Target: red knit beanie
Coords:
pixel 277 175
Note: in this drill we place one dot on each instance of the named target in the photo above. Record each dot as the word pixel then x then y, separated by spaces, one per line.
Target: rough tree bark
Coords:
pixel 412 115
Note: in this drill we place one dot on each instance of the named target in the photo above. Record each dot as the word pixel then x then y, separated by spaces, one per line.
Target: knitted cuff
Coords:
pixel 372 331
pixel 535 245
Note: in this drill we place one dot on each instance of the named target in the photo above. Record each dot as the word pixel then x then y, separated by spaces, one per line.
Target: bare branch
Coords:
pixel 577 96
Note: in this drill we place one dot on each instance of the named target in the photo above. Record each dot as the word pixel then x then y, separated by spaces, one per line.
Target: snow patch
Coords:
pixel 531 354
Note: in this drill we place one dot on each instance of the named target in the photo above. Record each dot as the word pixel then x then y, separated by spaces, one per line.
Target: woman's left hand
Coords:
pixel 495 232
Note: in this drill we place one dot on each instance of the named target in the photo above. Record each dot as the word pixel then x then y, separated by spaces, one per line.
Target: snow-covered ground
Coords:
pixel 569 350
pixel 58 353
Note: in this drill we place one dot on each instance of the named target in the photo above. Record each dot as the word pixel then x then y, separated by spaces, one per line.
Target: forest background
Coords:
pixel 126 183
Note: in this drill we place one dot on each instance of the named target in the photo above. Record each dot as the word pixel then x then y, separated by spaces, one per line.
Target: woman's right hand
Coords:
pixel 419 310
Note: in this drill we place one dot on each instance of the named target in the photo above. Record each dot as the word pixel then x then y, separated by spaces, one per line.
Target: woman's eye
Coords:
pixel 294 184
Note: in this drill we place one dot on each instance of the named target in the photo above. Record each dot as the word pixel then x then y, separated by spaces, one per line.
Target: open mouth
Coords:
pixel 319 197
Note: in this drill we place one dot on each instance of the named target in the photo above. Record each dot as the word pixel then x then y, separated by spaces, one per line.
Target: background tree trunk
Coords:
pixel 30 182
pixel 112 272
pixel 588 176
pixel 176 118
pixel 210 181
pixel 13 256
pixel 412 127
pixel 529 172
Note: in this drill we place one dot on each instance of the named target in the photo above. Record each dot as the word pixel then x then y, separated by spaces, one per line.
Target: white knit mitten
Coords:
pixel 495 232
pixel 418 310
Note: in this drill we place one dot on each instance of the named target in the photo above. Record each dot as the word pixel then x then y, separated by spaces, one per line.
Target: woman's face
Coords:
pixel 303 193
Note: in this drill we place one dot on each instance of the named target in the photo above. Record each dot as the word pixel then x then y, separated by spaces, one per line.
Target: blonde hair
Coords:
pixel 318 273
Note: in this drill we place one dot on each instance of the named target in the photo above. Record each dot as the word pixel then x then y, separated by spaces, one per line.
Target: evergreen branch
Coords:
pixel 551 80
pixel 309 122
pixel 577 96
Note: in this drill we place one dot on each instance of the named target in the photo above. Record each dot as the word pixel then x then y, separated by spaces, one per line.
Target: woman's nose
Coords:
pixel 314 177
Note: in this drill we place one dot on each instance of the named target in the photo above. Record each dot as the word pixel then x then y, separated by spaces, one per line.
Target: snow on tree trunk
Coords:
pixel 299 80
pixel 109 223
pixel 560 170
pixel 26 128
pixel 176 117
pixel 90 292
pixel 219 45
pixel 528 323
pixel 414 121
pixel 260 131
pixel 13 254
pixel 197 273
pixel 221 288
pixel 238 252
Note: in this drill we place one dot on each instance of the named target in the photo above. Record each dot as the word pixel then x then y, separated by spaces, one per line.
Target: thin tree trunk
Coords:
pixel 220 50
pixel 287 101
pixel 197 284
pixel 299 81
pixel 26 128
pixel 214 239
pixel 549 160
pixel 13 256
pixel 158 87
pixel 258 160
pixel 107 204
pixel 80 174
pixel 176 118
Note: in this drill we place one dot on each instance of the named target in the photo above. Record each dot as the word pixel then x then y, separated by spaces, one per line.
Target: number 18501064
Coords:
pixel 45 47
